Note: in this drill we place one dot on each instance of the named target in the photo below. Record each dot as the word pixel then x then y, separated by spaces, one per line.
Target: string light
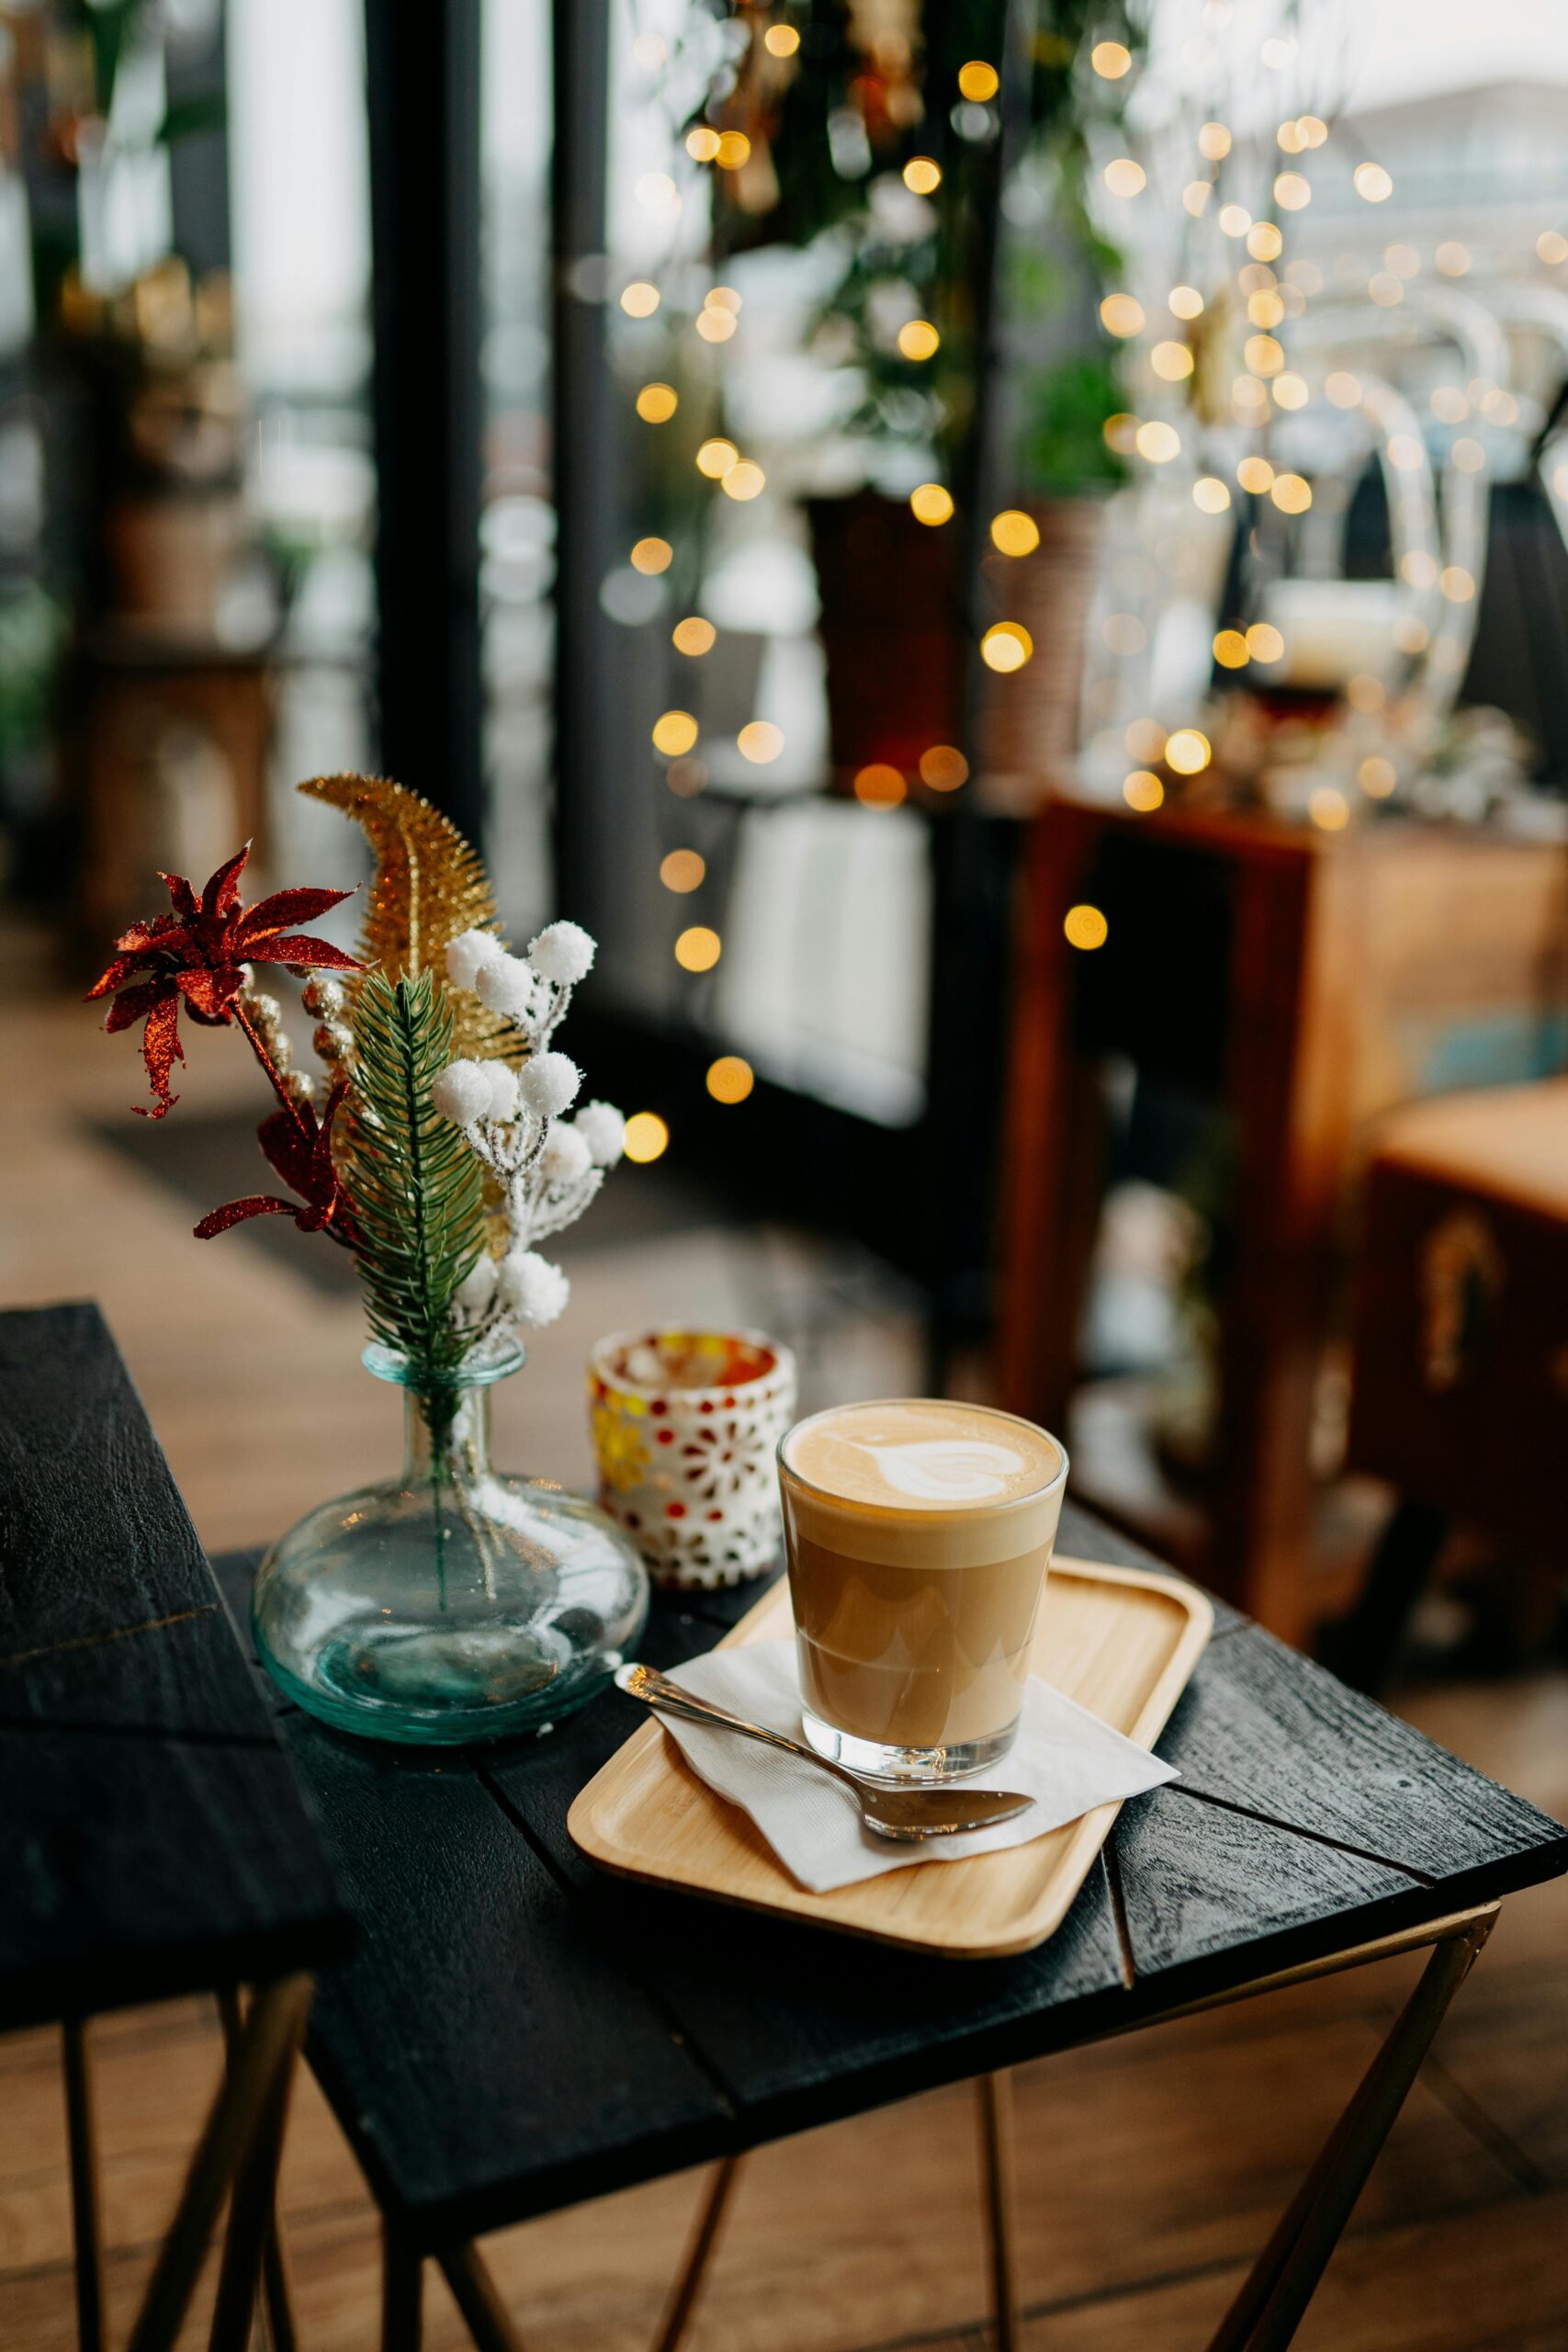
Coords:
pixel 1290 493
pixel 1418 569
pixel 1453 259
pixel 1329 809
pixel 1313 129
pixel 682 870
pixel 1457 584
pixel 1121 432
pixel 1276 54
pixel 1110 59
pixel 1171 361
pixel 1377 776
pixel 645 1136
pixel 686 778
pixel 1125 634
pixel 1264 241
pixel 1005 646
pixel 733 147
pixel 1263 355
pixel 929 502
pixel 1405 454
pixel 1385 289
pixel 1015 533
pixel 1468 455
pixel 1187 752
pixel 1265 644
pixel 693 636
pixel 730 1080
pixel 639 300
pixel 743 481
pixel 1289 137
pixel 1404 260
pixel 658 193
pixel 978 81
pixel 715 326
pixel 1363 691
pixel 722 298
pixel 716 457
pixel 1124 177
pixel 1292 192
pixel 781 41
pixel 1551 247
pixel 652 556
pixel 1122 314
pixel 918 339
pixel 1235 219
pixel 698 949
pixel 760 742
pixel 1185 301
pixel 1210 494
pixel 1230 649
pixel 943 767
pixel 657 403
pixel 701 143
pixel 1142 790
pixel 1343 389
pixel 879 786
pixel 1290 391
pixel 1373 183
pixel 1195 197
pixel 1213 142
pixel 1158 442
pixel 922 175
pixel 674 731
pixel 1085 927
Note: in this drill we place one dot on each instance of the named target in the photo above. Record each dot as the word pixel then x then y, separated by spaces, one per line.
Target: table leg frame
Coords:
pixel 87 2212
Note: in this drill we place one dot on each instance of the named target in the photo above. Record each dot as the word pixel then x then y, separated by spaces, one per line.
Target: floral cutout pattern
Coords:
pixel 685 1427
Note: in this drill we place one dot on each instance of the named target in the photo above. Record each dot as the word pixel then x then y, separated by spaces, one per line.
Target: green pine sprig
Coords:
pixel 418 1189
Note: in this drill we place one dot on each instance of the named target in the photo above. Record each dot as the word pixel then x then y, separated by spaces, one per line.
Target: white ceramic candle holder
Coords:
pixel 685 1424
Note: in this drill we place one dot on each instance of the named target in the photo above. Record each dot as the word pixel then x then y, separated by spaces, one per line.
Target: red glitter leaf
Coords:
pixel 286 906
pixel 160 1048
pixel 302 954
pixel 222 888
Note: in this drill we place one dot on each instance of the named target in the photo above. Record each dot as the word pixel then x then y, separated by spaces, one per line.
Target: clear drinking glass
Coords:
pixel 451 1603
pixel 918 1536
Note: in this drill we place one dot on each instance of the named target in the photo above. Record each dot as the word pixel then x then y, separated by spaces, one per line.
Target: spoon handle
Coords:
pixel 647 1683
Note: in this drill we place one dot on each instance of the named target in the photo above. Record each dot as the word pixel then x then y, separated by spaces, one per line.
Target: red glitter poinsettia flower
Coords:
pixel 300 1147
pixel 199 954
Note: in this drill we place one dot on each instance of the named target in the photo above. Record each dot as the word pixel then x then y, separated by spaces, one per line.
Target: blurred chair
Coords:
pixel 1460 1394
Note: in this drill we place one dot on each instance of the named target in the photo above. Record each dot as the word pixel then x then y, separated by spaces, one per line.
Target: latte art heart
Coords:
pixel 946 1470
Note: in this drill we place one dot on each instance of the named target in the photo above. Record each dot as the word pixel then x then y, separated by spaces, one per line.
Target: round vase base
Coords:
pixel 436 1688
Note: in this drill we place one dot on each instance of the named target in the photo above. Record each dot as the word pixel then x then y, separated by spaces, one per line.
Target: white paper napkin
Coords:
pixel 1066 1759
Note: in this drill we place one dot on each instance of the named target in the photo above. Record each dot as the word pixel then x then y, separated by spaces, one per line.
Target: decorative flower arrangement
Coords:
pixel 439 1171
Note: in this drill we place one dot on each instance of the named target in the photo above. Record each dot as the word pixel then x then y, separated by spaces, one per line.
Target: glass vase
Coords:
pixel 451 1603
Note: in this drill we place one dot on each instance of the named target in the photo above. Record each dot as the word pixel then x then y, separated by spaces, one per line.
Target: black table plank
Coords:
pixel 488 2052
pixel 152 1838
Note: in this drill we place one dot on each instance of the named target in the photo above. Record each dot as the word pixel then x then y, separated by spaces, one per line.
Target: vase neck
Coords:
pixel 445 1431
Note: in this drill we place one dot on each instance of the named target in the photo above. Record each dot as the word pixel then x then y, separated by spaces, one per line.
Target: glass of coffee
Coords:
pixel 918 1536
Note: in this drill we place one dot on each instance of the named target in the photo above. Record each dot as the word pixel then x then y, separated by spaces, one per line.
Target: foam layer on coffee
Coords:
pixel 922 1482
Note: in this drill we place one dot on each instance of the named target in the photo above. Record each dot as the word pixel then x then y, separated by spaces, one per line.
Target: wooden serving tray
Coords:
pixel 1120 1641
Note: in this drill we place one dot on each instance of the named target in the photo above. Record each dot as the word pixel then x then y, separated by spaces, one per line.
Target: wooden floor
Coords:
pixel 1150 2170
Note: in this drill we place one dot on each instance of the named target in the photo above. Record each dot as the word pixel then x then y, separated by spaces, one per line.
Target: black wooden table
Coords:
pixel 153 1841
pixel 516 2032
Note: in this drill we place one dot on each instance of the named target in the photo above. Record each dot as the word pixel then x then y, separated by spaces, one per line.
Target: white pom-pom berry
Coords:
pixel 502 1083
pixel 603 1130
pixel 467 953
pixel 504 984
pixel 563 953
pixel 476 1288
pixel 461 1092
pixel 535 1290
pixel 566 1157
pixel 549 1084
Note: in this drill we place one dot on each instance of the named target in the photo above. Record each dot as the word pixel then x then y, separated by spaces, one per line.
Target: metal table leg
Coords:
pixel 86 2220
pixel 277 2298
pixel 684 2294
pixel 480 2300
pixel 403 2295
pixel 994 2100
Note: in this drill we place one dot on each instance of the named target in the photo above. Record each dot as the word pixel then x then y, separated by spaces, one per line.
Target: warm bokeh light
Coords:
pixel 1125 633
pixel 716 326
pixel 1404 260
pixel 694 634
pixel 1187 751
pixel 1468 455
pixel 1172 362
pixel 929 502
pixel 1230 649
pixel 1210 494
pixel 722 298
pixel 639 300
pixel 1289 138
pixel 1142 790
pixel 652 556
pixel 646 1137
pixel 1277 53
pixel 698 949
pixel 1085 927
pixel 1235 219
pixel 1290 493
pixel 918 340
pixel 716 457
pixel 1213 142
pixel 1373 183
pixel 743 481
pixel 1313 129
pixel 1263 355
pixel 1364 692
pixel 1124 177
pixel 1122 314
pixel 1264 643
pixel 1292 192
pixel 1343 389
pixel 1110 59
pixel 733 147
pixel 686 778
pixel 657 403
pixel 1157 441
pixel 1453 259
pixel 1419 568
pixel 1410 633
pixel 730 1080
pixel 1185 301
pixel 1255 475
pixel 943 767
pixel 1264 308
pixel 1121 432
pixel 657 191
pixel 682 870
pixel 1551 246
pixel 1005 646
pixel 1195 198
pixel 674 731
pixel 1330 809
pixel 1264 241
pixel 760 742
pixel 922 175
pixel 1015 533
pixel 781 41
pixel 701 143
pixel 879 786
pixel 1376 775
pixel 1384 289
pixel 978 80
pixel 1289 390
pixel 1457 584
pixel 1405 454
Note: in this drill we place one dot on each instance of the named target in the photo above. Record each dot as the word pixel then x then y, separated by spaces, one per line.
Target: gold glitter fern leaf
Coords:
pixel 430 884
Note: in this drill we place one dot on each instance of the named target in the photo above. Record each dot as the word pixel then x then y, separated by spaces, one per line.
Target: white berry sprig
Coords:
pixel 547 1168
